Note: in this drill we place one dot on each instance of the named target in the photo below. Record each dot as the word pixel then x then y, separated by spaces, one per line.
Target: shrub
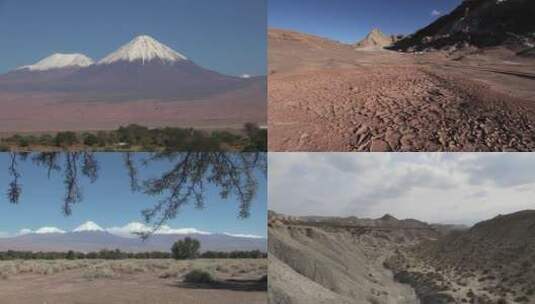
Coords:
pixel 522 299
pixel 186 249
pixel 63 139
pixel 46 140
pixel 257 138
pixel 70 255
pixel 198 276
pixel 95 273
pixel 90 139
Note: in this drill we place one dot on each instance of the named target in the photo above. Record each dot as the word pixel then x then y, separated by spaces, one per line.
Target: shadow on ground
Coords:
pixel 234 285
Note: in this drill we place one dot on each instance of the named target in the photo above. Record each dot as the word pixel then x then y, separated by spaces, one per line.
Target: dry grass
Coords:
pixel 163 269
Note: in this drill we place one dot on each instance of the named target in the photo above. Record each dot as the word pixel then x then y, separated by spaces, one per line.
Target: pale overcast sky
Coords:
pixel 462 188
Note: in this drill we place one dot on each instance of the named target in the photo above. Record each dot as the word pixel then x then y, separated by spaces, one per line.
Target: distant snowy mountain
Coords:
pixel 145 49
pixel 92 237
pixel 88 226
pixel 141 69
pixel 86 241
pixel 60 61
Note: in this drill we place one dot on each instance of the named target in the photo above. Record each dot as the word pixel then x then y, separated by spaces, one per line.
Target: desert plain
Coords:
pixel 131 281
pixel 329 96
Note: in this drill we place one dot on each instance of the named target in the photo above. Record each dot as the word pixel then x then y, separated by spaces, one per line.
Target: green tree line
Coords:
pixel 121 255
pixel 251 139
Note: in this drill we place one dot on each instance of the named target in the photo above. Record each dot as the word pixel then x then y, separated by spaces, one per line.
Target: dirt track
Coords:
pixel 385 101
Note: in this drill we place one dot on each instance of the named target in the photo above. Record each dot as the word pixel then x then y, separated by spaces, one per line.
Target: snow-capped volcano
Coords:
pixel 60 61
pixel 143 48
pixel 92 237
pixel 88 226
pixel 143 69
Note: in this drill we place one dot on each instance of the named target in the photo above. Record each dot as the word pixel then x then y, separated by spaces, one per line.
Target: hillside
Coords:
pixel 375 40
pixel 481 23
pixel 294 51
pixel 344 259
pixel 492 261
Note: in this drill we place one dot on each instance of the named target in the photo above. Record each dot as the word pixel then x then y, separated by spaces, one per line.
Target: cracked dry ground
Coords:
pixel 400 108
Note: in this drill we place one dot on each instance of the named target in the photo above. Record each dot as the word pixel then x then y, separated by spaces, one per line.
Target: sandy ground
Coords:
pixel 23 113
pixel 140 284
pixel 325 96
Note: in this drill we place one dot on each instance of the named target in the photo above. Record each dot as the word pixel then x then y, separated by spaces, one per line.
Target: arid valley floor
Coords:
pixel 327 96
pixel 130 281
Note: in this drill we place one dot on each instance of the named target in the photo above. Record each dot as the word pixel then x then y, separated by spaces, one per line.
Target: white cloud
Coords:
pixel 47 230
pixel 168 230
pixel 25 231
pixel 434 187
pixel 436 13
pixel 245 76
pixel 4 235
pixel 128 230
pixel 131 229
pixel 248 236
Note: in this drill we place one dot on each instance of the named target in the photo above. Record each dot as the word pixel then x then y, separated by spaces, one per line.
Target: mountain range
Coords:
pixel 142 69
pixel 91 237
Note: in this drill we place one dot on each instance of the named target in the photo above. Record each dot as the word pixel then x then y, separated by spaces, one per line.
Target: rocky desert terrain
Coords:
pixel 333 260
pixel 490 263
pixel 386 260
pixel 448 87
pixel 131 281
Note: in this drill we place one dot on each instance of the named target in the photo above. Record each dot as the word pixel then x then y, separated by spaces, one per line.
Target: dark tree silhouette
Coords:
pixel 15 189
pixel 182 184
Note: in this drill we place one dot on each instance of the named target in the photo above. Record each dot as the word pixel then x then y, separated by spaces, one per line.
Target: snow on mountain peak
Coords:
pixel 88 226
pixel 58 61
pixel 143 48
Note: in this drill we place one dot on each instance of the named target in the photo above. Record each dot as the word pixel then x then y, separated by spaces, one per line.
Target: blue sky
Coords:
pixel 110 203
pixel 227 36
pixel 351 20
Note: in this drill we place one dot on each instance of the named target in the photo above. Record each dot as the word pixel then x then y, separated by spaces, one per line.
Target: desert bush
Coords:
pixel 90 139
pixel 65 139
pixel 186 249
pixel 95 273
pixel 221 268
pixel 128 267
pixel 256 138
pixel 522 299
pixel 198 276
